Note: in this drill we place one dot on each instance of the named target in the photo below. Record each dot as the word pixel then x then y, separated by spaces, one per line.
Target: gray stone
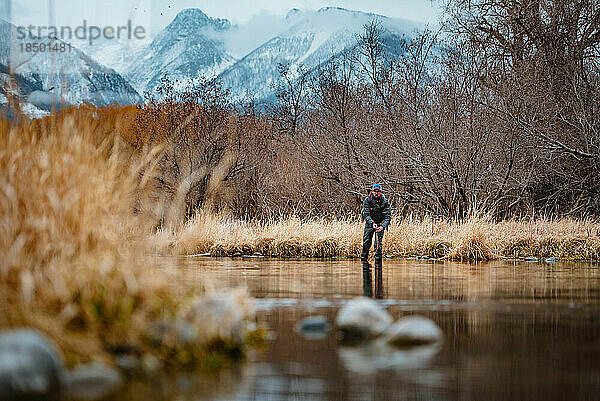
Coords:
pixel 362 318
pixel 313 323
pixel 313 327
pixel 31 368
pixel 551 259
pixel 128 363
pixel 531 259
pixel 222 315
pixel 197 255
pixel 92 382
pixel 413 330
pixel 151 364
pixel 173 332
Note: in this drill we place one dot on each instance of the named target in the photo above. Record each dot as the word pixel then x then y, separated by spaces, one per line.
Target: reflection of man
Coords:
pixel 378 282
pixel 368 281
pixel 377 214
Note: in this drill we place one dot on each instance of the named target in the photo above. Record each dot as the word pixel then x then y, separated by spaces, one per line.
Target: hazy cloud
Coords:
pixel 259 29
pixel 259 17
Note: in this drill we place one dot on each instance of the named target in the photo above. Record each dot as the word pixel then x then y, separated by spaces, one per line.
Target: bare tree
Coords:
pixel 290 95
pixel 201 143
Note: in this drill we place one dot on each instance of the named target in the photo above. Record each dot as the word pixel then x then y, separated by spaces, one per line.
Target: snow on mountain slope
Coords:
pixel 192 45
pixel 312 38
pixel 57 74
pixel 118 54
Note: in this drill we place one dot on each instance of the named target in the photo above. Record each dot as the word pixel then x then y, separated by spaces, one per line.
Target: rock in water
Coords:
pixel 313 327
pixel 362 318
pixel 313 323
pixel 30 367
pixel 171 332
pixel 92 382
pixel 221 315
pixel 413 330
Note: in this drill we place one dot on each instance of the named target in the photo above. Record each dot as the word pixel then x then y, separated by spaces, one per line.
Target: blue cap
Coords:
pixel 376 186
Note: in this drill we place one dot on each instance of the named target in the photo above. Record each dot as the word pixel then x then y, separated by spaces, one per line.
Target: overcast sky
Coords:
pixel 155 14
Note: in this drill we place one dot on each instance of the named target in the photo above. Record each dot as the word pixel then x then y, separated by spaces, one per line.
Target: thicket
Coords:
pixel 496 112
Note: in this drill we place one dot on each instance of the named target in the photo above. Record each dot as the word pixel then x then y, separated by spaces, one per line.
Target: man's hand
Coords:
pixel 375 226
pixel 379 229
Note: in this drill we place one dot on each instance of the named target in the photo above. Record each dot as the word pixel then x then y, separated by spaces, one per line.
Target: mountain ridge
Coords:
pixel 190 46
pixel 50 78
pixel 194 44
pixel 312 39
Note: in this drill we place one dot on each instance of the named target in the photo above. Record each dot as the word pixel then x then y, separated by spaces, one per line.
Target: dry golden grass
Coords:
pixel 472 242
pixel 74 258
pixel 477 238
pixel 221 235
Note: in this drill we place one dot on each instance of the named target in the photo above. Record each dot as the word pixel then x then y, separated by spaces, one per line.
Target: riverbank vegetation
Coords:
pixel 76 261
pixel 475 238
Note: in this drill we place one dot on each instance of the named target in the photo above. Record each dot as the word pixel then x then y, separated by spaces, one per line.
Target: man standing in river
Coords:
pixel 377 214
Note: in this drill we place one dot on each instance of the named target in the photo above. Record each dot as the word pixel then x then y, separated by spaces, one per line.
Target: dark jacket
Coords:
pixel 377 212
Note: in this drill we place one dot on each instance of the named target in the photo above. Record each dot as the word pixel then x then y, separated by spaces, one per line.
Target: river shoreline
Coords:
pixel 474 239
pixel 527 259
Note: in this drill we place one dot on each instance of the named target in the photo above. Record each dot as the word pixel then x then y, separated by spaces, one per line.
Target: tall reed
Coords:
pixel 74 256
pixel 476 238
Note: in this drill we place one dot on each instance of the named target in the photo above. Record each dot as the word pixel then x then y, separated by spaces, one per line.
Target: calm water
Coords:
pixel 520 331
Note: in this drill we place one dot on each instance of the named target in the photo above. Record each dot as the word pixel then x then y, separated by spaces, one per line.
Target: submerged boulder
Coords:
pixel 94 381
pixel 31 368
pixel 313 323
pixel 222 315
pixel 413 330
pixel 362 318
pixel 313 327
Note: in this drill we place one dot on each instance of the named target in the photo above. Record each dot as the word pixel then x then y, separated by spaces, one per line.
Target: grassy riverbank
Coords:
pixel 474 239
pixel 75 257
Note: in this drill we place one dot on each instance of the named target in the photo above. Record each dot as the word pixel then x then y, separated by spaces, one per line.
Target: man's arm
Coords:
pixel 366 212
pixel 387 214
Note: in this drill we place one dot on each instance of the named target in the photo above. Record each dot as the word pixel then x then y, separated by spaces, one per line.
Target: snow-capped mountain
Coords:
pixel 192 45
pixel 50 72
pixel 312 38
pixel 118 54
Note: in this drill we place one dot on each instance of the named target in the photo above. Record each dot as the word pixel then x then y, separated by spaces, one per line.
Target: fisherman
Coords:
pixel 377 214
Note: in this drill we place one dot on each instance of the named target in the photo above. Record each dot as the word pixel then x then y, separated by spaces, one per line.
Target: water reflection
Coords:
pixel 233 382
pixel 372 357
pixel 368 280
pixel 525 353
pixel 512 331
pixel 402 279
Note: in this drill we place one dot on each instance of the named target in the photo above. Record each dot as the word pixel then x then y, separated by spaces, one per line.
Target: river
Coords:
pixel 512 330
